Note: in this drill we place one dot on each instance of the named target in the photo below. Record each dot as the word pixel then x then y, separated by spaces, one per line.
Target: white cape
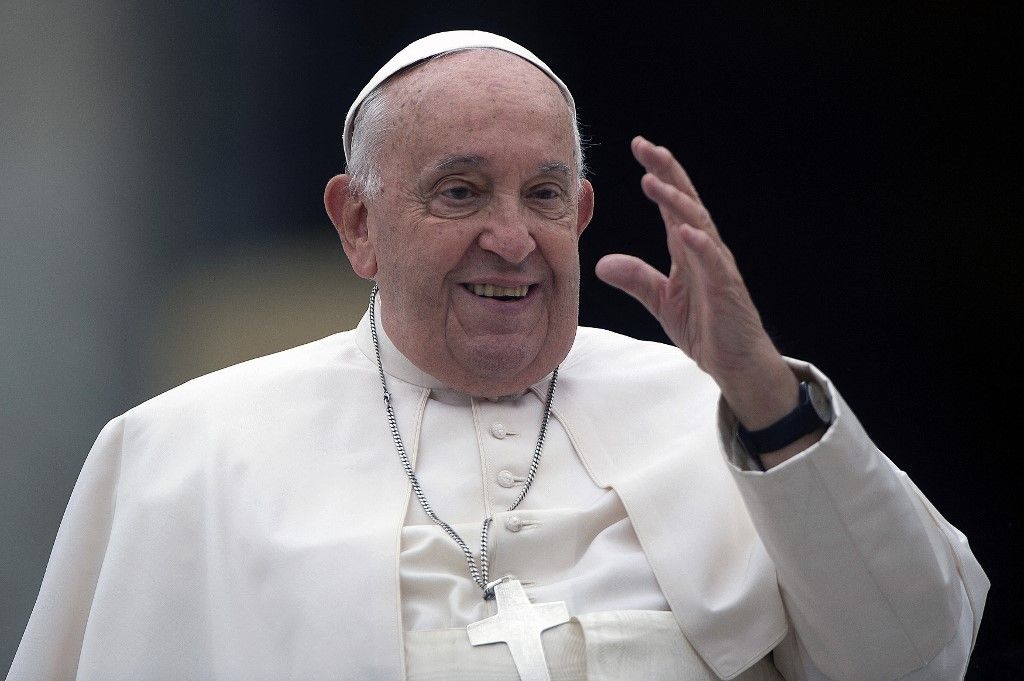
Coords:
pixel 246 525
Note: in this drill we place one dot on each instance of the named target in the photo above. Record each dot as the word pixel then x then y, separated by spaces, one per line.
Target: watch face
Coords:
pixel 820 402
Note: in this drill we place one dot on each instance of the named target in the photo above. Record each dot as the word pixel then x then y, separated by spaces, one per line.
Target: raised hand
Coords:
pixel 703 303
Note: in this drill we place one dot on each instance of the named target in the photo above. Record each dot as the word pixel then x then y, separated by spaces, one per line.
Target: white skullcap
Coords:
pixel 439 43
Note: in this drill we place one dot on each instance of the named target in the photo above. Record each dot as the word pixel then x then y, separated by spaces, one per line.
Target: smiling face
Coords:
pixel 473 238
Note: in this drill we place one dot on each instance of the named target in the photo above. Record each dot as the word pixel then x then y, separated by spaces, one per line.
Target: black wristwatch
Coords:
pixel 811 413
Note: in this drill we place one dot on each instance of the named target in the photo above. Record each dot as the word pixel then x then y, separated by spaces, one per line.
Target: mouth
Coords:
pixel 506 293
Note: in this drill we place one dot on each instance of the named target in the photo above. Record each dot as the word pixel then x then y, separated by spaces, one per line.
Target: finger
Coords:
pixel 633 276
pixel 677 206
pixel 706 260
pixel 660 161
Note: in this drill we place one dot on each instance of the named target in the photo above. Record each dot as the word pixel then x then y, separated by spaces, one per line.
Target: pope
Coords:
pixel 469 483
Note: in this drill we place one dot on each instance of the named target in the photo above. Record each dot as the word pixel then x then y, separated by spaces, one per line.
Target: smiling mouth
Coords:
pixel 499 292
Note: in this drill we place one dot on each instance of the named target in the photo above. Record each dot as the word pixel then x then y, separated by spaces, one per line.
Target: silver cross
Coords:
pixel 519 623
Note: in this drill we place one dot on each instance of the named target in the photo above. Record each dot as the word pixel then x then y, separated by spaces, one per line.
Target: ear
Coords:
pixel 347 211
pixel 584 206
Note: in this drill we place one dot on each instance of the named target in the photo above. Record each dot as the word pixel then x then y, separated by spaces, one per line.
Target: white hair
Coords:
pixel 374 122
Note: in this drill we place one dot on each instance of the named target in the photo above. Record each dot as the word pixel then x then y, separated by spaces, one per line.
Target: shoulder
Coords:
pixel 591 340
pixel 633 403
pixel 281 409
pixel 611 365
pixel 259 384
pixel 600 355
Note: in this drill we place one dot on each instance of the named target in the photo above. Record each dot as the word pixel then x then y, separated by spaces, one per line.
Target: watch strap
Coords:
pixel 802 420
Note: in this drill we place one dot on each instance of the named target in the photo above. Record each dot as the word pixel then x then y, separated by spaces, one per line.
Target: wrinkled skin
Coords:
pixel 480 187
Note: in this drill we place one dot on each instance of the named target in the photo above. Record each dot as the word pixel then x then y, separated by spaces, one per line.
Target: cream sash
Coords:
pixel 601 646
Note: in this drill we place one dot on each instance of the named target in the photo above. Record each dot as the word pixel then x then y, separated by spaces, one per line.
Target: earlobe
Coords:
pixel 347 210
pixel 584 206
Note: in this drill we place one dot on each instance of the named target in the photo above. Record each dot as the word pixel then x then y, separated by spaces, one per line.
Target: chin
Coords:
pixel 495 369
pixel 500 360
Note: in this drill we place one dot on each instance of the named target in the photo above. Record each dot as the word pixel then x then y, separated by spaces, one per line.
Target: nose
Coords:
pixel 506 233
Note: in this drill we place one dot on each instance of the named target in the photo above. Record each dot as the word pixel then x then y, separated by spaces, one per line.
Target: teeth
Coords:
pixel 492 291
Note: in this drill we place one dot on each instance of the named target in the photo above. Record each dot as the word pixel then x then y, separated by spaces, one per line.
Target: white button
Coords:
pixel 498 430
pixel 506 479
pixel 513 523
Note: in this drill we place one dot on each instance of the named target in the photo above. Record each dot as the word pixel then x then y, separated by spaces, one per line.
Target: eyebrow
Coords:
pixel 453 160
pixel 554 168
pixel 450 161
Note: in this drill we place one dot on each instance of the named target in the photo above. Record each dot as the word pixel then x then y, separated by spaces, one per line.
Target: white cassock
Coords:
pixel 255 523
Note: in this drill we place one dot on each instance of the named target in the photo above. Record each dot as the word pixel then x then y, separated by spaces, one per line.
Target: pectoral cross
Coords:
pixel 519 623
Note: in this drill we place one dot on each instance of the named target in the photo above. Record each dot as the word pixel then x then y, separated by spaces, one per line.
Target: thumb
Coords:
pixel 633 276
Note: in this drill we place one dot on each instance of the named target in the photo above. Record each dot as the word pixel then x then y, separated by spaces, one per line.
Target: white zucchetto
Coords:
pixel 441 43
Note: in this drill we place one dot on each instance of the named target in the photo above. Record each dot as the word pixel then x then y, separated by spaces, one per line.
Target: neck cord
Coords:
pixel 479 572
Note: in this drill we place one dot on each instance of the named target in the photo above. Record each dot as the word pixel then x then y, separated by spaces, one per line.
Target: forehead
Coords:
pixel 477 97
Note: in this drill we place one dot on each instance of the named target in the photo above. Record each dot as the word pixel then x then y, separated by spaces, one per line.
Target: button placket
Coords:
pixel 500 432
pixel 505 450
pixel 507 478
pixel 517 521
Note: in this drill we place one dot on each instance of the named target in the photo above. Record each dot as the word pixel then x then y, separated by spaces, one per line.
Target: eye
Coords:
pixel 455 198
pixel 546 193
pixel 549 199
pixel 458 192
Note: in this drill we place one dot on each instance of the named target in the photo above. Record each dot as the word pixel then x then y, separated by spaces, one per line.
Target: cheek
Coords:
pixel 563 257
pixel 404 253
pixel 389 256
pixel 566 269
pixel 421 264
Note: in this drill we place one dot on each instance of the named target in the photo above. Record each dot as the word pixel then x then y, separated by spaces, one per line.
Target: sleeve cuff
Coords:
pixel 728 424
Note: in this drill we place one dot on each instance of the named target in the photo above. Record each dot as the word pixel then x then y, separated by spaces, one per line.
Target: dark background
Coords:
pixel 862 164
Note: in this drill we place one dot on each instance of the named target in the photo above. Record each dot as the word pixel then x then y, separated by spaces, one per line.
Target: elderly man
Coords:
pixel 529 499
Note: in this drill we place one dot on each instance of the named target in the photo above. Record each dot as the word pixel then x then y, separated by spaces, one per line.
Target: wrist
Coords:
pixel 762 397
pixel 794 432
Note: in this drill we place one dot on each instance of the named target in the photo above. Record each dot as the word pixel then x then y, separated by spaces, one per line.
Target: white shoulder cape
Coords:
pixel 246 525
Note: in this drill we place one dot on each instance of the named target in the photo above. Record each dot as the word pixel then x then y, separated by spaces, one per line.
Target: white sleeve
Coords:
pixel 52 643
pixel 793 661
pixel 876 584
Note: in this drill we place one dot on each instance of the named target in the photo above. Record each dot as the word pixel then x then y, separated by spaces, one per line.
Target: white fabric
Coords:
pixel 631 644
pixel 669 441
pixel 569 540
pixel 440 43
pixel 249 523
